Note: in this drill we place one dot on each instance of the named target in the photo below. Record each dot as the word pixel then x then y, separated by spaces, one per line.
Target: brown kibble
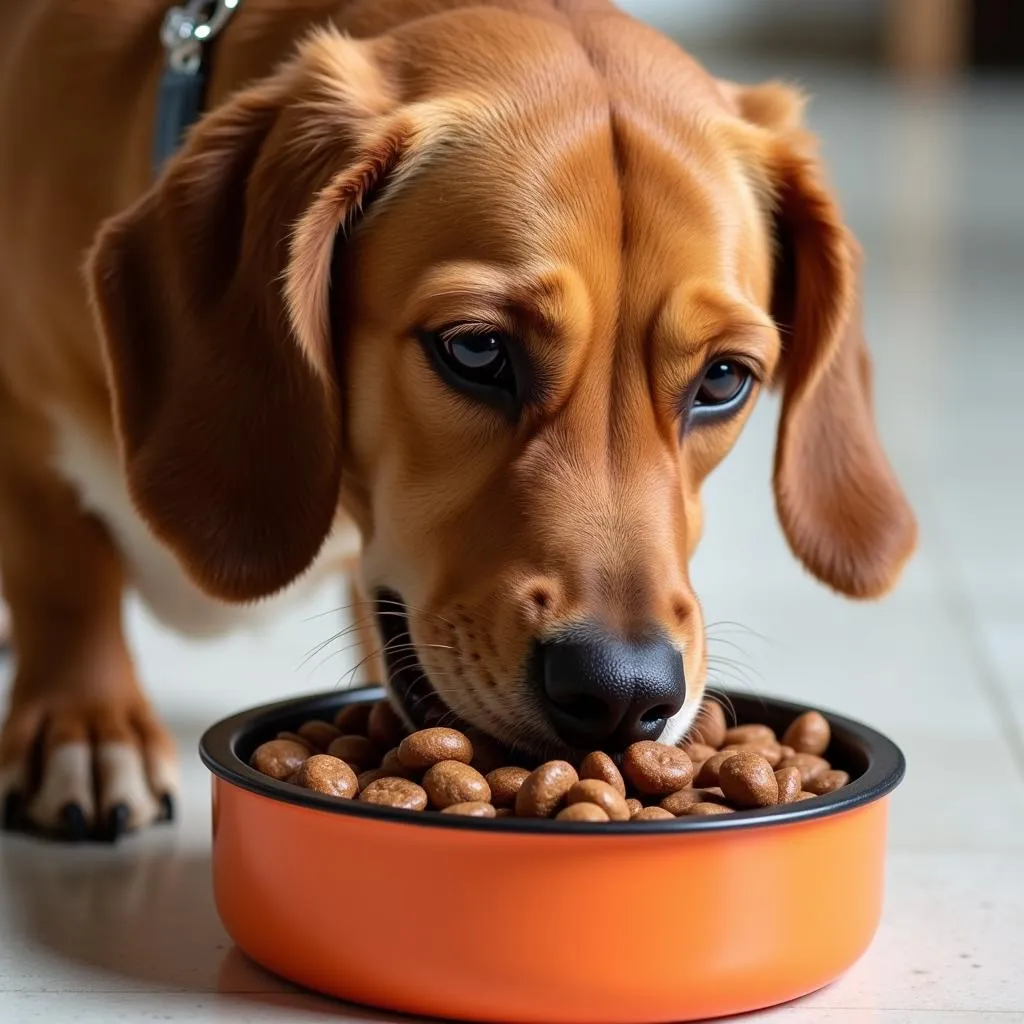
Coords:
pixel 739 735
pixel 293 779
pixel 748 781
pixel 394 792
pixel 454 782
pixel 296 738
pixel 318 734
pixel 582 811
pixel 420 750
pixel 770 752
pixel 827 782
pixel 681 802
pixel 706 809
pixel 698 753
pixel 279 758
pixel 788 780
pixel 598 765
pixel 358 751
pixel 786 751
pixel 390 763
pixel 708 772
pixel 543 791
pixel 488 753
pixel 656 769
pixel 352 719
pixel 809 733
pixel 471 809
pixel 365 778
pixel 805 796
pixel 505 784
pixel 634 805
pixel 504 812
pixel 710 726
pixel 601 793
pixel 383 725
pixel 653 814
pixel 325 774
pixel 810 765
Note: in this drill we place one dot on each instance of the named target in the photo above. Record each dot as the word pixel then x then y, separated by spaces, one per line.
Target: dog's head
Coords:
pixel 505 297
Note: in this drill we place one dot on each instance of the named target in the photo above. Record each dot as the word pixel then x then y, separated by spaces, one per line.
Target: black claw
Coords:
pixel 167 807
pixel 116 824
pixel 13 806
pixel 73 826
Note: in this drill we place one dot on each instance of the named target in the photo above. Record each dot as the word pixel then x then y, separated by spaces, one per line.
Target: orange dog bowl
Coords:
pixel 542 921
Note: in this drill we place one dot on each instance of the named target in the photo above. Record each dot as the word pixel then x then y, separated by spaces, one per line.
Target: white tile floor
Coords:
pixel 932 186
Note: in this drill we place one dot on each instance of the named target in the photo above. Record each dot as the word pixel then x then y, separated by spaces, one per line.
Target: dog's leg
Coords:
pixel 81 751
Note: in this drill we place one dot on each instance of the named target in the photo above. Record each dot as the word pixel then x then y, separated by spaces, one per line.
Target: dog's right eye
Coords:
pixel 474 361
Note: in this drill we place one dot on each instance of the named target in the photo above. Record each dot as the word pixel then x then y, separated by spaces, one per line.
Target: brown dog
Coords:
pixel 496 281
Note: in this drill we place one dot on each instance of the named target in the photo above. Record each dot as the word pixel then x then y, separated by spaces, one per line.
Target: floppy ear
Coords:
pixel 212 295
pixel 839 503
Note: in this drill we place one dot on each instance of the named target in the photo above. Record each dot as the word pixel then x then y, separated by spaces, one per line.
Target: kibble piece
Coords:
pixel 698 753
pixel 420 750
pixel 827 782
pixel 655 768
pixel 810 765
pixel 603 794
pixel 504 812
pixel 804 795
pixel 488 753
pixel 772 753
pixel 318 734
pixel 740 734
pixel 708 772
pixel 681 802
pixel 293 779
pixel 365 778
pixel 788 780
pixel 809 733
pixel 706 809
pixel 471 809
pixel 598 765
pixel 352 719
pixel 394 792
pixel 505 784
pixel 279 758
pixel 544 790
pixel 747 780
pixel 634 805
pixel 710 725
pixel 384 727
pixel 653 814
pixel 358 751
pixel 326 774
pixel 452 782
pixel 296 738
pixel 582 812
pixel 786 751
pixel 390 763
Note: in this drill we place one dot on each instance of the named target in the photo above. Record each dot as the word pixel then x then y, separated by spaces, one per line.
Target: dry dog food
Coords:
pixel 366 754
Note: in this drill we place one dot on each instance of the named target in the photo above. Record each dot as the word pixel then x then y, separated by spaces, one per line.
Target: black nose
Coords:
pixel 602 691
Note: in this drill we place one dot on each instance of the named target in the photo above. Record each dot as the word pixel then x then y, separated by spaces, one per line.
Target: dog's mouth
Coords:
pixel 408 681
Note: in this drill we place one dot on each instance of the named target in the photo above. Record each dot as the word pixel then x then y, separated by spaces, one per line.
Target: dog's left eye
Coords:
pixel 725 382
pixel 477 362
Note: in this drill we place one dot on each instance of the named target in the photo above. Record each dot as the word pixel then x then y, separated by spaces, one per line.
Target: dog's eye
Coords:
pixel 725 382
pixel 477 362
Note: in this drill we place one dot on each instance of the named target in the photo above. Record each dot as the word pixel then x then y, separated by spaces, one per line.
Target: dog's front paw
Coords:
pixel 76 770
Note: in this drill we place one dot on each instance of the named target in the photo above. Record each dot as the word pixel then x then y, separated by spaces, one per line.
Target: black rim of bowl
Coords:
pixel 877 761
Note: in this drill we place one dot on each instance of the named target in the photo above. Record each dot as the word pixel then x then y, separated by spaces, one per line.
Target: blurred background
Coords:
pixel 919 105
